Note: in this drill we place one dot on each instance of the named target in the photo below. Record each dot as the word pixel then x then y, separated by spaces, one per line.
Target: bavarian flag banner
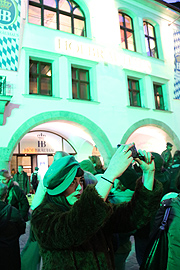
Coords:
pixel 176 35
pixel 10 11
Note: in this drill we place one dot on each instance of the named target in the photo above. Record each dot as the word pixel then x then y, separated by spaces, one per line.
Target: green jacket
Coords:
pixel 80 237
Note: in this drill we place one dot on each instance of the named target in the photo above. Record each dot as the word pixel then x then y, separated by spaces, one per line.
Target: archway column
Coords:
pixel 4 158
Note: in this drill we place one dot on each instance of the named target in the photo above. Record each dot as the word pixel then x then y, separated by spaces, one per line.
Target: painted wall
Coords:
pixel 109 109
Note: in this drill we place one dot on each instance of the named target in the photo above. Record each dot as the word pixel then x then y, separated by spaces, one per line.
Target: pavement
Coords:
pixel 131 262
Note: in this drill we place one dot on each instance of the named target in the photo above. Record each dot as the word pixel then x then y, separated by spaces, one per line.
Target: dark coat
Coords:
pixel 17 198
pixel 80 237
pixel 11 227
pixel 26 185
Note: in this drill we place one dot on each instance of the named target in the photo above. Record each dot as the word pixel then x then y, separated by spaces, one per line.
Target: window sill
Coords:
pixel 40 97
pixel 136 107
pixel 83 101
pixel 163 111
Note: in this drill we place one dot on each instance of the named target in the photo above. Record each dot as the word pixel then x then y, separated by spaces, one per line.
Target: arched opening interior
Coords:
pixel 38 146
pixel 150 138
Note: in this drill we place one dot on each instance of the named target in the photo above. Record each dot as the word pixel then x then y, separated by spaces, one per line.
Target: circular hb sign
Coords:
pixel 8 12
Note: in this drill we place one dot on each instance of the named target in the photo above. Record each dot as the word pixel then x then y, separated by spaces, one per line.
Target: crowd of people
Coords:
pixel 82 214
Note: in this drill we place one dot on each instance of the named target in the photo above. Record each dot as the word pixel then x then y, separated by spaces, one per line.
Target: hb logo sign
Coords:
pixel 8 12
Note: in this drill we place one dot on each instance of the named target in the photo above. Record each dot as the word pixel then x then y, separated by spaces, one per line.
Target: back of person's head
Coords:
pixel 159 161
pixel 3 191
pixel 87 165
pixel 60 154
pixel 36 169
pixel 96 160
pixel 61 174
pixel 89 178
pixel 5 173
pixel 176 157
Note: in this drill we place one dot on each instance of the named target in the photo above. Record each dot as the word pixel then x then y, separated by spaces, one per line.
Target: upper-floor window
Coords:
pixel 134 92
pixel 40 78
pixel 64 15
pixel 127 32
pixel 158 95
pixel 80 84
pixel 150 39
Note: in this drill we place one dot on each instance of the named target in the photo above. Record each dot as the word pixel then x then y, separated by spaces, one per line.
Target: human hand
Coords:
pixel 148 168
pixel 148 163
pixel 119 162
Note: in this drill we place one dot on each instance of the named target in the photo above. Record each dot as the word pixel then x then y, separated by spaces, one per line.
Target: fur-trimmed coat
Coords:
pixel 80 237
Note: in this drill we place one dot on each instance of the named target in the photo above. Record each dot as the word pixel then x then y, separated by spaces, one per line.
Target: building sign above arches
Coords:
pixel 101 54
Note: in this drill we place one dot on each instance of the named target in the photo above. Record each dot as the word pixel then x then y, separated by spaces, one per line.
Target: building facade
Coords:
pixel 83 76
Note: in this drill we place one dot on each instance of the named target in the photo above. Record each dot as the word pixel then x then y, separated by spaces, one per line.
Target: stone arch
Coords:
pixel 97 134
pixel 155 123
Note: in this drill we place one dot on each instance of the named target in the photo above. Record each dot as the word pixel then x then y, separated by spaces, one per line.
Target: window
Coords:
pixel 134 92
pixel 158 95
pixel 150 39
pixel 2 85
pixel 127 32
pixel 40 78
pixel 80 84
pixel 64 15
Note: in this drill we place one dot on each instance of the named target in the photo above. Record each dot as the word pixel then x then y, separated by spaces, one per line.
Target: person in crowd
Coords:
pixel 167 156
pixel 121 242
pixel 89 178
pixel 172 200
pixel 74 228
pixel 88 166
pixel 15 195
pixel 35 178
pixel 174 171
pixel 97 164
pixel 142 235
pixel 41 189
pixel 13 173
pixel 22 179
pixel 160 174
pixel 12 226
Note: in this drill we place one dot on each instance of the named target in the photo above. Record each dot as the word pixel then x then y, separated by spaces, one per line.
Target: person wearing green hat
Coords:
pixel 74 226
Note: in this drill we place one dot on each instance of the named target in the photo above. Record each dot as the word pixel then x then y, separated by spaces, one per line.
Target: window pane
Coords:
pixel 151 30
pixel 121 19
pixel 153 48
pixel 64 5
pixel 33 67
pixel 65 23
pixel 128 22
pixel 34 15
pixel 147 47
pixel 84 91
pixel 74 73
pixel 74 89
pixel 50 19
pixel 83 75
pixel 130 41
pixel 145 28
pixel 123 44
pixel 45 86
pixel 77 11
pixel 37 1
pixel 79 27
pixel 136 99
pixel 33 85
pixel 45 69
pixel 51 3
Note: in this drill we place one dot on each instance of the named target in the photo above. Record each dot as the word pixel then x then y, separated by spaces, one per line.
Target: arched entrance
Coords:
pixel 98 136
pixel 151 135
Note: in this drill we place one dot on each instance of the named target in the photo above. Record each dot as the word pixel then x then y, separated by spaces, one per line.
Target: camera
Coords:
pixel 135 153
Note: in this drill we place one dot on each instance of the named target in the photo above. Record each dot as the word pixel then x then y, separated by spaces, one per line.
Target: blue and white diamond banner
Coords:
pixel 10 11
pixel 176 35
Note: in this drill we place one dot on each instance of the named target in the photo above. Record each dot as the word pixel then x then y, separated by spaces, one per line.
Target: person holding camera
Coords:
pixel 74 227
